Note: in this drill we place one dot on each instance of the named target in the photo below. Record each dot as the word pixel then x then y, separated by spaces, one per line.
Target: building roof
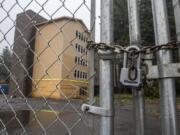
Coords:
pixel 63 18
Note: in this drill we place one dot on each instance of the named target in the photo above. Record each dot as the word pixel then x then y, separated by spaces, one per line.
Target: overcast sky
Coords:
pixel 13 8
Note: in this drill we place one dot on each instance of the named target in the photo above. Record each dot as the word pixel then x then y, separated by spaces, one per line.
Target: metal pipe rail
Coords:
pixel 106 81
pixel 167 85
pixel 135 39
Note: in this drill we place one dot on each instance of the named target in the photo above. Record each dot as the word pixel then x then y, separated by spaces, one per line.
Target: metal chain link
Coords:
pixel 148 49
pixel 133 55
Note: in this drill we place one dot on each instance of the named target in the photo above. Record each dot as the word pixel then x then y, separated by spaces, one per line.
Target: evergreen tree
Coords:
pixel 121 29
pixel 121 32
pixel 5 65
pixel 146 21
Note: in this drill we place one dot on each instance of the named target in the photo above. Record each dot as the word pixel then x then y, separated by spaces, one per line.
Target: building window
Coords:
pixel 75 74
pixel 82 37
pixel 81 61
pixel 80 74
pixel 76 46
pixel 76 59
pixel 83 75
pixel 77 33
pixel 79 48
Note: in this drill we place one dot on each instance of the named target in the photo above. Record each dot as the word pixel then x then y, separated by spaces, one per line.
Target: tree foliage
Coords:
pixel 5 64
pixel 146 21
pixel 121 30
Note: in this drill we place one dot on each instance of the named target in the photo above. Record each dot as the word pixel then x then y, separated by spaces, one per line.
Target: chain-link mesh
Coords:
pixel 45 69
pixel 44 66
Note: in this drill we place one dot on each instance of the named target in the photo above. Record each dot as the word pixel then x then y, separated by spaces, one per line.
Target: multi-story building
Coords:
pixel 49 57
pixel 23 53
pixel 60 66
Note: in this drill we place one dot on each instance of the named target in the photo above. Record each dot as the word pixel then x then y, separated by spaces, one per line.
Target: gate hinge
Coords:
pixel 96 110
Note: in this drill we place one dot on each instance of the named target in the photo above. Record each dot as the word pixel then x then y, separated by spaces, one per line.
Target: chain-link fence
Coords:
pixel 44 66
pixel 48 60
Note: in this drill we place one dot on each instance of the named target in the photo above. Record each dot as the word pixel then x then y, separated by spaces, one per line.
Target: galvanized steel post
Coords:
pixel 176 6
pixel 91 52
pixel 135 39
pixel 106 80
pixel 92 61
pixel 167 85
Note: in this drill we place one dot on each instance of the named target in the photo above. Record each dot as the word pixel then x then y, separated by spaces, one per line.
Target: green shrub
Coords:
pixel 151 89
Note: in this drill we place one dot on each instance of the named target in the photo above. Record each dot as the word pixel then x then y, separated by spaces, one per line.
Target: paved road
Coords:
pixel 46 120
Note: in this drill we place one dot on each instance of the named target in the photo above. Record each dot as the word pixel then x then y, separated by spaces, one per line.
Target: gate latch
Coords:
pixel 96 110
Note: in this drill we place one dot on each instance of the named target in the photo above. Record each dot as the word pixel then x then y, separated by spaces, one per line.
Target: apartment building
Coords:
pixel 60 67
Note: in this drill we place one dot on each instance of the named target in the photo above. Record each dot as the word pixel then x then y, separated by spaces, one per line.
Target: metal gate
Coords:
pixel 48 60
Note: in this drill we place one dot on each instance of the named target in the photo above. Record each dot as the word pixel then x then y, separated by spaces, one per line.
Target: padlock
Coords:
pixel 131 76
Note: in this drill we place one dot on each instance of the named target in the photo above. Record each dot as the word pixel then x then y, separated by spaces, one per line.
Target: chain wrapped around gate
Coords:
pixel 134 71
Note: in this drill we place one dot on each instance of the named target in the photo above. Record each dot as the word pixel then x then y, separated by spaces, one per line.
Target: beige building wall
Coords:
pixel 54 60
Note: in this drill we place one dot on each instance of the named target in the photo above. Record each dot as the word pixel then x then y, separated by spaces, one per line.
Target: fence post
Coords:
pixel 167 85
pixel 92 61
pixel 135 39
pixel 106 81
pixel 91 52
pixel 176 6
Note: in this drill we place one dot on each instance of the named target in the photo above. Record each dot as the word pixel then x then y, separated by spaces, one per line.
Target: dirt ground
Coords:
pixel 38 116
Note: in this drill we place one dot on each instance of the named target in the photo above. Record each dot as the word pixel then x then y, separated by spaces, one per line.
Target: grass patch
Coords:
pixel 178 100
pixel 127 99
pixel 123 98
